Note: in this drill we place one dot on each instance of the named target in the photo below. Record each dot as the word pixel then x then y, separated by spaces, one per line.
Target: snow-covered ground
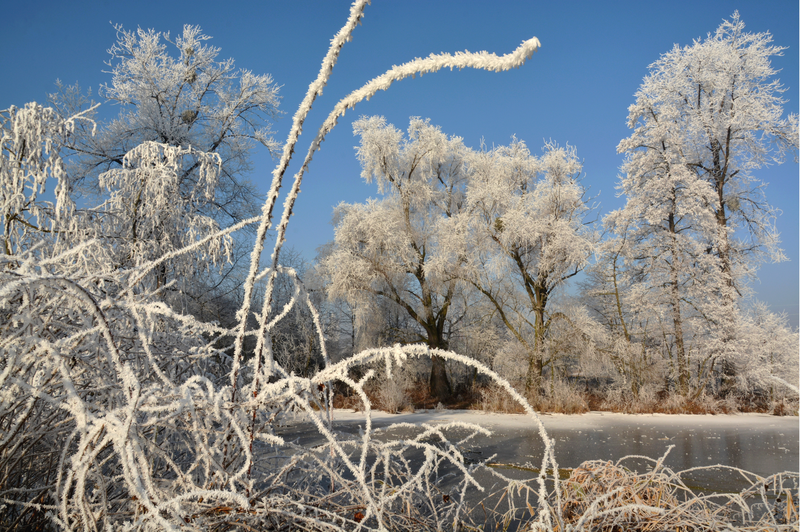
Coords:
pixel 577 421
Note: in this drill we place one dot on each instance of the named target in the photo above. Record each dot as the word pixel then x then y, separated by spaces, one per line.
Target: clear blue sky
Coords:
pixel 575 90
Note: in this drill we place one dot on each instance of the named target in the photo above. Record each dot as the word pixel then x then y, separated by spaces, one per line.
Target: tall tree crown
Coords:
pixel 705 117
pixel 186 98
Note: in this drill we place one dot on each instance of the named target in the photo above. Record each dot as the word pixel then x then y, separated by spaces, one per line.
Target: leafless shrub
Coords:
pixel 393 394
pixel 560 396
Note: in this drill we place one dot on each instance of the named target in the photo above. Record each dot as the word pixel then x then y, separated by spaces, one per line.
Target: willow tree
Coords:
pixel 30 155
pixel 175 96
pixel 385 247
pixel 521 236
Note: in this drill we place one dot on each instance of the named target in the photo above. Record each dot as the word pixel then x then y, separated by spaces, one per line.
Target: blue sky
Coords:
pixel 575 90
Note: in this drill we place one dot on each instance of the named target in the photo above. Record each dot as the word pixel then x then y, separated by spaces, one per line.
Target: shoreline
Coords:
pixel 559 420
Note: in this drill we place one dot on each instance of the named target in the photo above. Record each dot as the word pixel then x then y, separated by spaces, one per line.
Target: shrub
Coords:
pixel 393 394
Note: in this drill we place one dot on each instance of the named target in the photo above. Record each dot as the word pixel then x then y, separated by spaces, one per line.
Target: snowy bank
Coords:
pixel 576 421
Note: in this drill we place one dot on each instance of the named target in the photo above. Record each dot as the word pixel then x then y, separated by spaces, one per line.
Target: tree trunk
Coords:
pixel 439 383
pixel 536 363
pixel 533 382
pixel 677 321
pixel 683 367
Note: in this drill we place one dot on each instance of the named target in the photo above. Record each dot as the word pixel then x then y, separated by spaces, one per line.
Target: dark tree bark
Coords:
pixel 439 383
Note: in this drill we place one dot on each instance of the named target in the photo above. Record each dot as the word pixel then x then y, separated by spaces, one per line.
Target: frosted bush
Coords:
pixel 560 396
pixel 393 393
pixel 153 440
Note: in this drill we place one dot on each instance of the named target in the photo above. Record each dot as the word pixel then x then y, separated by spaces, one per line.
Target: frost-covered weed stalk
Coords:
pixel 118 413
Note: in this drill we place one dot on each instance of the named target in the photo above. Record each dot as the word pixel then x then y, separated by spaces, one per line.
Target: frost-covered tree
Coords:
pixel 714 110
pixel 385 247
pixel 150 213
pixel 179 99
pixel 609 291
pixel 771 345
pixel 67 347
pixel 521 236
pixel 606 285
pixel 676 274
pixel 705 117
pixel 294 338
pixel 185 98
pixel 30 154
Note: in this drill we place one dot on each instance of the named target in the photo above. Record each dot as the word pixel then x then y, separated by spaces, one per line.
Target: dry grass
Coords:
pixel 407 393
pixel 495 399
pixel 492 399
pixel 602 496
pixel 784 408
pixel 560 397
pixel 605 496
pixel 653 400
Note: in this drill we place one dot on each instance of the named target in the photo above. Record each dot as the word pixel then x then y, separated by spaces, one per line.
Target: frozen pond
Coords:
pixel 758 443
